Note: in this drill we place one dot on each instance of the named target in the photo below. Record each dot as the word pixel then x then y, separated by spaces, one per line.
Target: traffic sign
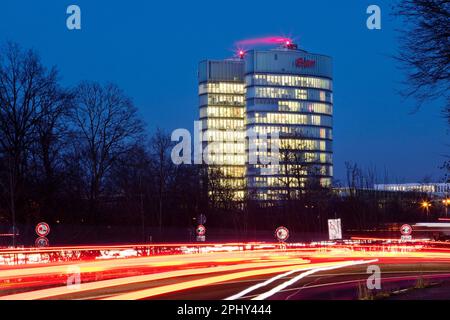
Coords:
pixel 405 238
pixel 41 242
pixel 334 229
pixel 406 230
pixel 282 233
pixel 42 229
pixel 200 230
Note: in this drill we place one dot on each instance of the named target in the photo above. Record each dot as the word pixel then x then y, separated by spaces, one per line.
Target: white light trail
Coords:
pixel 263 284
pixel 307 273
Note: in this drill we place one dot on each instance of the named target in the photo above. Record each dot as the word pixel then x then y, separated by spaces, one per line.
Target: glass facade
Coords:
pixel 268 92
pixel 222 113
pixel 298 104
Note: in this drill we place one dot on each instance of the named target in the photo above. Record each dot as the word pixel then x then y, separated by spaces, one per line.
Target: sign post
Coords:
pixel 406 231
pixel 201 232
pixel 42 230
pixel 334 229
pixel 201 219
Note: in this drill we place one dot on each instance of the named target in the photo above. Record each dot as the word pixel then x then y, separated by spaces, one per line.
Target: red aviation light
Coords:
pixel 290 45
pixel 241 54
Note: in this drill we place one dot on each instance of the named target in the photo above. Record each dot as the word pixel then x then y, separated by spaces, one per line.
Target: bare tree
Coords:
pixel 106 126
pixel 298 172
pixel 50 145
pixel 221 193
pixel 288 163
pixel 425 51
pixel 370 177
pixel 160 145
pixel 26 90
pixel 353 174
pixel 446 168
pixel 129 180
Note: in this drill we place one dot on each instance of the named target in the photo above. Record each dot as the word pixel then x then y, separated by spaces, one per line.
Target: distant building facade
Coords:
pixel 436 189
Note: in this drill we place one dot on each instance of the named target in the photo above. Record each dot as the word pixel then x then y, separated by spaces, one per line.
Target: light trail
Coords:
pixel 171 261
pixel 152 261
pixel 85 287
pixel 430 275
pixel 263 284
pixel 305 274
pixel 127 277
pixel 34 256
pixel 52 255
pixel 271 40
pixel 147 293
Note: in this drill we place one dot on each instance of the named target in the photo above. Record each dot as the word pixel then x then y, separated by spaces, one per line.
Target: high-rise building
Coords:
pixel 289 91
pixel 285 90
pixel 222 115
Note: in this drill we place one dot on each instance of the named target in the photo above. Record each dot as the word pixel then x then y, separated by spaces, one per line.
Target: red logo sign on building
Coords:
pixel 304 63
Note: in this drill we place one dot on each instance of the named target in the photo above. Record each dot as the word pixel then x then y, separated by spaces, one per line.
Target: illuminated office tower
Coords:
pixel 285 90
pixel 290 91
pixel 222 114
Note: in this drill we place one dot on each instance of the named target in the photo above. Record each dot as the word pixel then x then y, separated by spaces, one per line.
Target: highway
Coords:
pixel 256 271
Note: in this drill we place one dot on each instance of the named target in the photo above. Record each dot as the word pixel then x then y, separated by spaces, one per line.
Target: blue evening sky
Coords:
pixel 152 48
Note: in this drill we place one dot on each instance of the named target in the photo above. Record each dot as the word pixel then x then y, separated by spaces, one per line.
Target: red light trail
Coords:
pixel 244 45
pixel 188 267
pixel 272 40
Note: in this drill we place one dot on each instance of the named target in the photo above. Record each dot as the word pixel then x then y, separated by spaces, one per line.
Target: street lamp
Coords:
pixel 426 205
pixel 446 203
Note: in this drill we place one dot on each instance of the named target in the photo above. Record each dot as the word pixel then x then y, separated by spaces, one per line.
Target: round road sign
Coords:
pixel 200 230
pixel 406 230
pixel 41 242
pixel 42 229
pixel 282 233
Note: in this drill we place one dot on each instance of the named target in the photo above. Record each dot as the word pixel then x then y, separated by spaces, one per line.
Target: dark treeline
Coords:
pixel 81 156
pixel 82 160
pixel 425 50
pixel 355 201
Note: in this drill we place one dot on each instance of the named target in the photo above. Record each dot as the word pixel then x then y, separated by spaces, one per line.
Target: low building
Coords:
pixel 432 189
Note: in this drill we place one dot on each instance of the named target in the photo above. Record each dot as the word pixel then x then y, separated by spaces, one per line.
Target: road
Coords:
pixel 225 271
